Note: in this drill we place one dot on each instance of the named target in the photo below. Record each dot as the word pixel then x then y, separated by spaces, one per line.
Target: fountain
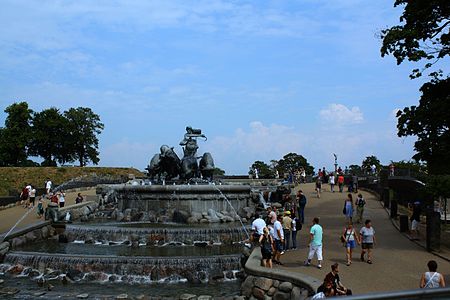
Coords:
pixel 176 226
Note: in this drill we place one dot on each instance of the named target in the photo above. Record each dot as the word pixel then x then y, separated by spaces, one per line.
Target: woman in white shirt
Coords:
pixel 432 279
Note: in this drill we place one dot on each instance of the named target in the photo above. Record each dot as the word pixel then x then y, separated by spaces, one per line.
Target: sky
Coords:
pixel 260 78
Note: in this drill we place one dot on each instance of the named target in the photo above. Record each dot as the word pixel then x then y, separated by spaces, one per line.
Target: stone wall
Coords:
pixel 265 283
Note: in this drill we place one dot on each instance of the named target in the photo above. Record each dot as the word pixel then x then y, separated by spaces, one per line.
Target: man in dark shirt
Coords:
pixel 333 277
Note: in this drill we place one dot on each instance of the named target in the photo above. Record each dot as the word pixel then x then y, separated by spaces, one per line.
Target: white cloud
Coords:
pixel 341 114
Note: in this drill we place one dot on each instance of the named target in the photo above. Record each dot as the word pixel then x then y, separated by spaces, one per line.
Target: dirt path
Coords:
pixel 10 216
pixel 398 262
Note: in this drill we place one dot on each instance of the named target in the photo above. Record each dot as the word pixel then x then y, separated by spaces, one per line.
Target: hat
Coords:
pixel 287 212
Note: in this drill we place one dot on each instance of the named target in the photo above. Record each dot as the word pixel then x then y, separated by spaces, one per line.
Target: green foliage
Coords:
pixel 438 185
pixel 423 34
pixel 84 126
pixel 430 123
pixel 14 137
pixel 50 139
pixel 369 161
pixel 415 166
pixel 264 170
pixel 355 169
pixel 292 162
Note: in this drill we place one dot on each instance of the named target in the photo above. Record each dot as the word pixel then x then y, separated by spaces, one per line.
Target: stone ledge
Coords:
pixel 253 267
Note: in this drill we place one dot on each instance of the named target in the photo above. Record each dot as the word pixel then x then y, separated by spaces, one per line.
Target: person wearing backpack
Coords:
pixel 360 203
pixel 267 249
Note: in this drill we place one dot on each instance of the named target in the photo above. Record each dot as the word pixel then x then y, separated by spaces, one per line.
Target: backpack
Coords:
pixel 266 245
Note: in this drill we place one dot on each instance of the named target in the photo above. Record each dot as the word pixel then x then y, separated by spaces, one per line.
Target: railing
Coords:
pixel 438 293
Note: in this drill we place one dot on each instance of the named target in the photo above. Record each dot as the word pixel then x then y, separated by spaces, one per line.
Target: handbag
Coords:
pixel 344 211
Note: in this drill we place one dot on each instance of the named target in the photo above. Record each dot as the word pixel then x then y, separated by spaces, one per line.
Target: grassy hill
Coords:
pixel 14 178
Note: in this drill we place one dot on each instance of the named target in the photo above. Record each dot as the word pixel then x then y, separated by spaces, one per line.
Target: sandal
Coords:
pixel 369 262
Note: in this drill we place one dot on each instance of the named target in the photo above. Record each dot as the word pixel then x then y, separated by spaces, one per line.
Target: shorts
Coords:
pixel 351 244
pixel 278 245
pixel 414 225
pixel 317 250
pixel 367 245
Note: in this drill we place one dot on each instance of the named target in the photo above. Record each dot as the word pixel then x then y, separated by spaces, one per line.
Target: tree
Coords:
pixel 292 162
pixel 84 126
pixel 369 161
pixel 15 135
pixel 355 169
pixel 430 122
pixel 264 170
pixel 423 34
pixel 50 138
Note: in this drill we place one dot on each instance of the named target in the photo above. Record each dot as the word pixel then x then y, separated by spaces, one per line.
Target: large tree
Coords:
pixel 50 138
pixel 84 126
pixel 369 161
pixel 292 162
pixel 264 170
pixel 15 136
pixel 424 33
pixel 430 123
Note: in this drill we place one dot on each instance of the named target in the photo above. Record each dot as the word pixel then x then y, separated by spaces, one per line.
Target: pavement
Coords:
pixel 11 215
pixel 398 263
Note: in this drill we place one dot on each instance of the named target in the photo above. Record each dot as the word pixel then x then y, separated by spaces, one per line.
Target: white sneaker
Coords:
pixel 319 266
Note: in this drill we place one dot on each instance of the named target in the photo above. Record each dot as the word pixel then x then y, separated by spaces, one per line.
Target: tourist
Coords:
pixel 48 186
pixel 339 170
pixel 40 208
pixel 350 238
pixel 325 290
pixel 32 197
pixel 333 277
pixel 324 177
pixel 278 240
pixel 374 169
pixel 320 174
pixel 62 198
pixel 432 279
pixel 415 220
pixel 355 183
pixel 318 186
pixel 348 208
pixel 360 204
pixel 331 180
pixel 315 243
pixel 350 184
pixel 24 196
pixel 341 182
pixel 271 215
pixel 391 169
pixel 266 243
pixel 367 238
pixel 258 226
pixel 79 199
pixel 296 226
pixel 303 175
pixel 301 206
pixel 287 227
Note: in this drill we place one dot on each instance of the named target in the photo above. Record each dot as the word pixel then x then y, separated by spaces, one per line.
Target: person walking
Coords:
pixel 296 226
pixel 40 208
pixel 267 249
pixel 301 206
pixel 348 208
pixel 341 183
pixel 368 241
pixel 32 197
pixel 48 186
pixel 331 180
pixel 432 279
pixel 360 204
pixel 315 243
pixel 287 227
pixel 318 186
pixel 278 240
pixel 62 199
pixel 350 238
pixel 415 220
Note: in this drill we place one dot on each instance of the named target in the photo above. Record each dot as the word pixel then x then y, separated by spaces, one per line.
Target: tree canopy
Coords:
pixel 291 162
pixel 369 161
pixel 424 33
pixel 56 137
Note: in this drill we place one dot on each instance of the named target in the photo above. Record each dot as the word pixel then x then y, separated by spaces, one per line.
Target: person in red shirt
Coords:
pixel 341 182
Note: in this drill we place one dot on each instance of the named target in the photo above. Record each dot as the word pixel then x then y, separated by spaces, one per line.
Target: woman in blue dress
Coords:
pixel 348 207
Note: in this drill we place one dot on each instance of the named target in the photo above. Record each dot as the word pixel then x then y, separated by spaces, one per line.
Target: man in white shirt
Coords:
pixel 257 228
pixel 278 239
pixel 48 186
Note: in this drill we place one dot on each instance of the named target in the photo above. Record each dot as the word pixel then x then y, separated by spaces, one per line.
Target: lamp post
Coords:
pixel 335 163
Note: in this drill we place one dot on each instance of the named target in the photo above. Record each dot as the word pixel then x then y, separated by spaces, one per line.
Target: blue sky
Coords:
pixel 261 78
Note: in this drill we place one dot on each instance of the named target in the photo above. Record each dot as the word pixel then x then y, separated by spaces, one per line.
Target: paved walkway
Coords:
pixel 398 262
pixel 11 215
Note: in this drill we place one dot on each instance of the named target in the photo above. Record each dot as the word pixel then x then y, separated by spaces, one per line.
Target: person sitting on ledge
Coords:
pixel 333 277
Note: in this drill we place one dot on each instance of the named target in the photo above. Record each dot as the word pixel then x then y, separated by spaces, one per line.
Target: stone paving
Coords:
pixel 397 265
